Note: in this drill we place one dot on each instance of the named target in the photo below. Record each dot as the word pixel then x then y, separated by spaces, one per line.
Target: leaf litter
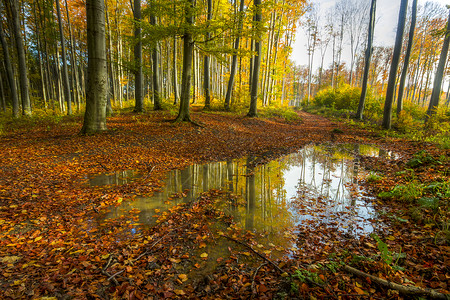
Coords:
pixel 52 245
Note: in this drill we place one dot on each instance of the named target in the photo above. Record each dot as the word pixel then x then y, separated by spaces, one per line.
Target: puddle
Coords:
pixel 115 178
pixel 317 184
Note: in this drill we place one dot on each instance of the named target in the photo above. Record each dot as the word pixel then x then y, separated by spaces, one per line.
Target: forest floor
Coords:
pixel 51 247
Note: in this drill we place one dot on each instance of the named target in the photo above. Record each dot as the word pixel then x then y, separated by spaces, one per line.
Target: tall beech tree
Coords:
pixel 9 72
pixel 390 91
pixel 23 69
pixel 155 63
pixel 138 76
pixel 206 74
pixel 401 85
pixel 188 52
pixel 65 73
pixel 256 59
pixel 369 50
pixel 436 93
pixel 97 77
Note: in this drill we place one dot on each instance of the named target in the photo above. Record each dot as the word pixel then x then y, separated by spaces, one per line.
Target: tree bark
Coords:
pixel 23 72
pixel 256 61
pixel 390 91
pixel 97 89
pixel 138 78
pixel 156 63
pixel 206 72
pixel 9 73
pixel 188 49
pixel 434 100
pixel 234 58
pixel 369 50
pixel 401 86
pixel 65 73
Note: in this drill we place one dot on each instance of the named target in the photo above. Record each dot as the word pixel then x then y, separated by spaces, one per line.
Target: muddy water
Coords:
pixel 317 184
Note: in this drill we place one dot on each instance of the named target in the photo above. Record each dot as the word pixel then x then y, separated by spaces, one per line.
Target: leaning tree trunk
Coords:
pixel 138 84
pixel 406 60
pixel 188 50
pixel 9 73
pixel 234 59
pixel 97 89
pixel 434 100
pixel 390 91
pixel 23 72
pixel 369 50
pixel 256 62
pixel 65 73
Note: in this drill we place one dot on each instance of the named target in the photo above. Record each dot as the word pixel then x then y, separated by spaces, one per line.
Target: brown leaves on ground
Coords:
pixel 53 245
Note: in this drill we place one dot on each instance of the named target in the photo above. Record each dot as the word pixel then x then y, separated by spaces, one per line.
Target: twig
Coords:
pixel 115 274
pixel 406 290
pixel 254 251
pixel 151 247
pixel 104 272
pixel 254 277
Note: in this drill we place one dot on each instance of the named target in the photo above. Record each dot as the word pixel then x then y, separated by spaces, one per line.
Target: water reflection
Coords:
pixel 318 184
pixel 116 178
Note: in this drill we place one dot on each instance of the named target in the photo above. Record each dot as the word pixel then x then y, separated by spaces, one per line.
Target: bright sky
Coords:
pixel 385 28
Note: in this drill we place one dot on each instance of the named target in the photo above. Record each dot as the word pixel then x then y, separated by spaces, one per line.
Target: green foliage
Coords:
pixel 286 113
pixel 429 202
pixel 386 255
pixel 345 97
pixel 422 158
pixel 306 275
pixel 374 177
pixel 408 192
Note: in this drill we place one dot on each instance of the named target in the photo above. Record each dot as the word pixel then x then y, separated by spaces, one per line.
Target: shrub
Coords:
pixel 345 97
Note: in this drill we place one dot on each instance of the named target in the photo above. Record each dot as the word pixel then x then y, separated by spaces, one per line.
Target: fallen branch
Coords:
pixel 406 290
pixel 254 277
pixel 151 247
pixel 254 251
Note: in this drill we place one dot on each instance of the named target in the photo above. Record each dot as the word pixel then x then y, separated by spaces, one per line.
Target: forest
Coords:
pixel 176 149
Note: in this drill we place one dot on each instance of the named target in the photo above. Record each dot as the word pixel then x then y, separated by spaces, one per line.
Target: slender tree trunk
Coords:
pixel 401 86
pixel 234 58
pixel 9 73
pixel 175 80
pixel 390 91
pixel 369 50
pixel 156 63
pixel 436 93
pixel 23 72
pixel 188 50
pixel 65 73
pixel 138 77
pixel 2 94
pixel 97 89
pixel 206 72
pixel 256 61
pixel 112 78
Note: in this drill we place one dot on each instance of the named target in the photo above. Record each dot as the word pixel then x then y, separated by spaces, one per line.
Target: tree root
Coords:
pixel 406 290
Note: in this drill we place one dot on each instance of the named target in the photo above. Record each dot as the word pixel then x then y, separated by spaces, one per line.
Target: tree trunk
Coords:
pixel 188 49
pixel 206 72
pixel 401 86
pixel 434 101
pixel 175 81
pixel 234 58
pixel 390 91
pixel 9 73
pixel 23 72
pixel 156 63
pixel 65 73
pixel 97 89
pixel 138 84
pixel 369 50
pixel 2 94
pixel 256 61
